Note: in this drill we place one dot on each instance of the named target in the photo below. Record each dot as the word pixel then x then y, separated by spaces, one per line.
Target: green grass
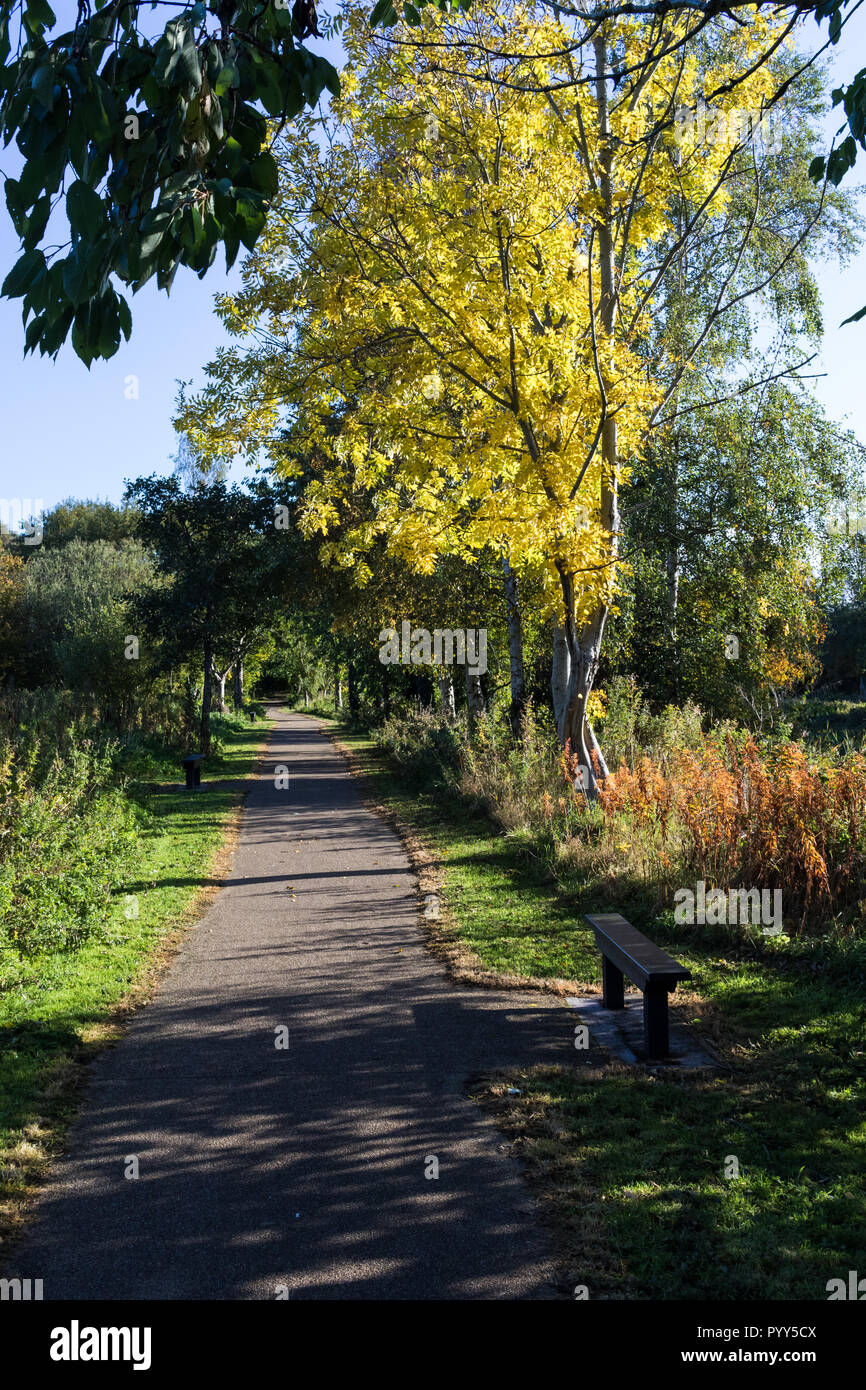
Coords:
pixel 317 709
pixel 499 885
pixel 55 1010
pixel 832 722
pixel 631 1163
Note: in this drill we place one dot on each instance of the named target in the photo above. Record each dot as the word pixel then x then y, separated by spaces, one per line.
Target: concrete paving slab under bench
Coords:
pixel 620 1031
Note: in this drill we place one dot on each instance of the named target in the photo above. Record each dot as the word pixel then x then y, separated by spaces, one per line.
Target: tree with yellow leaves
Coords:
pixel 450 308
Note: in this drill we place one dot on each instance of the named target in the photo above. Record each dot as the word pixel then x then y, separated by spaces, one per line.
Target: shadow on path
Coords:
pixel 302 1166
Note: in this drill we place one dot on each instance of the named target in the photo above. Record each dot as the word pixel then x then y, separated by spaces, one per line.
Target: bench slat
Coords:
pixel 632 953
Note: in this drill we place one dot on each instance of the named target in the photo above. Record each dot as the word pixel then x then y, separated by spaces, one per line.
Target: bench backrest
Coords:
pixel 633 953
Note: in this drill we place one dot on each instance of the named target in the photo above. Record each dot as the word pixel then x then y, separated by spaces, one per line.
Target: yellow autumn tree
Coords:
pixel 449 307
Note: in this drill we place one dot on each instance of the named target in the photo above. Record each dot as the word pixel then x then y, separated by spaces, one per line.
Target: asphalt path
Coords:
pixel 304 1170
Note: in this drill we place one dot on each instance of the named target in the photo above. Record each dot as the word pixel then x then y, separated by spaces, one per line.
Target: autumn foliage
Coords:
pixel 745 817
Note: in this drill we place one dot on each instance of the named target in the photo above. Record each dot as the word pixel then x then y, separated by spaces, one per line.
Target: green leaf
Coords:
pixel 267 77
pixel 234 157
pixel 38 220
pixel 16 206
pixel 154 226
pixel 23 275
pixel 186 61
pixel 33 333
pixel 38 16
pixel 250 129
pixel 228 77
pixel 125 316
pixel 54 334
pixel 167 270
pixel 99 126
pixel 79 136
pixel 855 318
pixel 109 325
pixel 250 221
pixel 264 173
pixel 232 244
pixel 80 275
pixel 43 85
pixel 84 208
pixel 382 13
pixel 85 334
pixel 31 182
pixel 191 229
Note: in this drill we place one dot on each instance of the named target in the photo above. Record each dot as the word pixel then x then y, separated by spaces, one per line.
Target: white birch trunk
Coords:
pixel 446 691
pixel 474 696
pixel 515 645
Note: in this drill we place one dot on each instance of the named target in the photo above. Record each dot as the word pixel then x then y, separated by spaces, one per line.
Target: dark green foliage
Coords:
pixel 424 745
pixel 67 833
pixel 74 616
pixel 156 144
pixel 226 563
pixel 844 653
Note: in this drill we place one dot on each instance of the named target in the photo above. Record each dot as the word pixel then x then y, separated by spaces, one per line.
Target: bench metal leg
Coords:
pixel 613 992
pixel 655 1021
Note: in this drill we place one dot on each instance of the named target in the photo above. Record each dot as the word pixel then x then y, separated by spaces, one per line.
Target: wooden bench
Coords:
pixel 626 951
pixel 192 768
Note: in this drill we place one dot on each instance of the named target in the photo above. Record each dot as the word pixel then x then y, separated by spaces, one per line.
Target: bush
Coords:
pixel 426 745
pixel 511 777
pixel 628 730
pixel 749 817
pixel 67 832
pixel 683 805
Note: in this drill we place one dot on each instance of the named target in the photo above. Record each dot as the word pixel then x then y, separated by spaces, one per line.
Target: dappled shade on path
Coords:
pixel 261 1167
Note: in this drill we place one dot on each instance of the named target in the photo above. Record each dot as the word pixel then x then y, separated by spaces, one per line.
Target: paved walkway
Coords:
pixel 302 1167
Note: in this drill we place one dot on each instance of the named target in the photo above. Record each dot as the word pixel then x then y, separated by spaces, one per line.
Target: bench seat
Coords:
pixel 627 952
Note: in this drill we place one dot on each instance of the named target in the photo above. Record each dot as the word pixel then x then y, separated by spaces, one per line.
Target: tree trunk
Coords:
pixel 206 696
pixel 575 662
pixel 219 678
pixel 672 568
pixel 338 688
pixel 386 693
pixel 354 704
pixel 584 645
pixel 474 697
pixel 515 647
pixel 559 678
pixel 446 690
pixel 238 685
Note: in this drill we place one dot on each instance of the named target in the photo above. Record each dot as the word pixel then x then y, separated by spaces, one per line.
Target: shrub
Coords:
pixel 425 744
pixel 66 834
pixel 684 805
pixel 760 819
pixel 629 729
pixel 511 778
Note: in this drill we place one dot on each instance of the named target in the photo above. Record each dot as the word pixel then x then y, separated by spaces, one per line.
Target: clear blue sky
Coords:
pixel 67 431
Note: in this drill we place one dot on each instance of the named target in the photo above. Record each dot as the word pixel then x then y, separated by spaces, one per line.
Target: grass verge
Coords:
pixel 57 1011
pixel 748 1183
